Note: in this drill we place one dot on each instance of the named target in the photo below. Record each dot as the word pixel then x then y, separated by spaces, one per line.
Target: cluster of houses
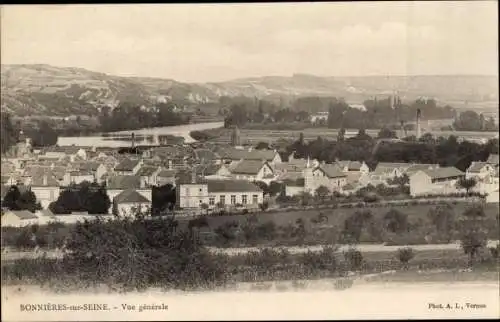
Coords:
pixel 212 177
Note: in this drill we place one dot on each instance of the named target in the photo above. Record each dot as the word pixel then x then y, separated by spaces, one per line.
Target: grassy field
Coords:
pixel 254 135
pixel 336 217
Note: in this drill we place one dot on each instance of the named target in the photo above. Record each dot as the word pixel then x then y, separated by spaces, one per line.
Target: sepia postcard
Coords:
pixel 250 161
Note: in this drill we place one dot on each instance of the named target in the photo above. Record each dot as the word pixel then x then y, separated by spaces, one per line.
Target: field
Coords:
pixel 253 136
pixel 336 217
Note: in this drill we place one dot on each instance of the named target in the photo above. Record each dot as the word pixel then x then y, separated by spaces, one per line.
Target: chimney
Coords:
pixel 418 124
pixel 133 140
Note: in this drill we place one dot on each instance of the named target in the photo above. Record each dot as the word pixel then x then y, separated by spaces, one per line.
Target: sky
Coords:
pixel 218 42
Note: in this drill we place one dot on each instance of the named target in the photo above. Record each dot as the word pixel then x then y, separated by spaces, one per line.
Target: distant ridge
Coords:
pixel 41 89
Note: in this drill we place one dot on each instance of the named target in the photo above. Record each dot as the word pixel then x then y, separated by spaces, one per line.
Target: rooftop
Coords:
pixel 124 182
pixel 248 167
pixel 130 196
pixel 232 186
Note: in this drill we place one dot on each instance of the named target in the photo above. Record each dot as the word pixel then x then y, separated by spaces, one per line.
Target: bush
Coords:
pixel 354 259
pixel 405 255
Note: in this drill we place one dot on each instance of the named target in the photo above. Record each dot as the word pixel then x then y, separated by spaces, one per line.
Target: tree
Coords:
pixel 386 133
pixel 466 184
pixel 9 133
pixel 263 186
pixel 11 199
pixel 262 146
pixel 275 188
pixel 354 259
pixel 405 255
pixel 322 192
pixel 472 235
pixel 443 218
pixel 354 225
pixel 396 221
pixel 15 200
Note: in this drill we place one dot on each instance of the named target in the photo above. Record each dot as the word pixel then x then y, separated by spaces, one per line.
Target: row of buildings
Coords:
pixel 214 176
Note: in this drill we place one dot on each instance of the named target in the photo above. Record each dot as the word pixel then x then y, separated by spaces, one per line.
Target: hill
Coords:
pixel 62 91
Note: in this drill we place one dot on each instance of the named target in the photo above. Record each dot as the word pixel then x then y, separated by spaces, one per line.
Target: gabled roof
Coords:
pixel 130 196
pixel 249 167
pixel 89 165
pixel 351 165
pixel 384 167
pixel 147 170
pixel 124 182
pixel 421 166
pixel 45 213
pixel 476 167
pixel 331 170
pixel 443 173
pixel 167 173
pixel 240 154
pixel 208 169
pixel 23 214
pixel 493 159
pixel 45 180
pixel 205 154
pixel 127 164
pixel 232 186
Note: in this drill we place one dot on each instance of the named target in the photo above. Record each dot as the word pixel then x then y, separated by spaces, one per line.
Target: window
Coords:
pixel 233 199
pixel 222 200
pixel 255 199
pixel 187 191
pixel 244 199
pixel 211 201
pixel 201 189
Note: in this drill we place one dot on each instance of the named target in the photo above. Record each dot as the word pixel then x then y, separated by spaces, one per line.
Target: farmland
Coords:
pixel 254 135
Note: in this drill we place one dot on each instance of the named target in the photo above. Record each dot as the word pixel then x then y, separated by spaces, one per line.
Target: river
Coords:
pixel 99 141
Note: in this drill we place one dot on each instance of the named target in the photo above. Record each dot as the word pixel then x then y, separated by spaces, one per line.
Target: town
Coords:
pixel 206 178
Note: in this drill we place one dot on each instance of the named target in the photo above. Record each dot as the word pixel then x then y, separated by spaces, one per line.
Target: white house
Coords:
pixel 128 202
pixel 353 166
pixel 46 189
pixel 253 170
pixel 480 171
pixel 328 175
pixel 19 218
pixel 149 175
pixel 128 166
pixel 220 193
pixel 437 181
pixel 117 184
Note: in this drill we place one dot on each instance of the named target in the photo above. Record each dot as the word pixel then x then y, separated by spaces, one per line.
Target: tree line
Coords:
pixel 428 149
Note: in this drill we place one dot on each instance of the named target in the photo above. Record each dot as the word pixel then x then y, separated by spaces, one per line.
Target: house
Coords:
pixel 128 166
pixel 353 166
pixel 166 177
pixel 205 155
pixel 149 175
pixel 493 159
pixel 116 184
pixel 79 176
pixel 480 171
pixel 46 188
pixel 129 201
pixel 436 181
pixel 233 155
pixel 213 171
pixel 253 170
pixel 389 170
pixel 219 194
pixel 98 169
pixel 18 218
pixel 328 175
pixel 294 187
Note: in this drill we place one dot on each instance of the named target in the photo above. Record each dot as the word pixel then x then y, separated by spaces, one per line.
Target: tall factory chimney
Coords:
pixel 418 124
pixel 133 140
